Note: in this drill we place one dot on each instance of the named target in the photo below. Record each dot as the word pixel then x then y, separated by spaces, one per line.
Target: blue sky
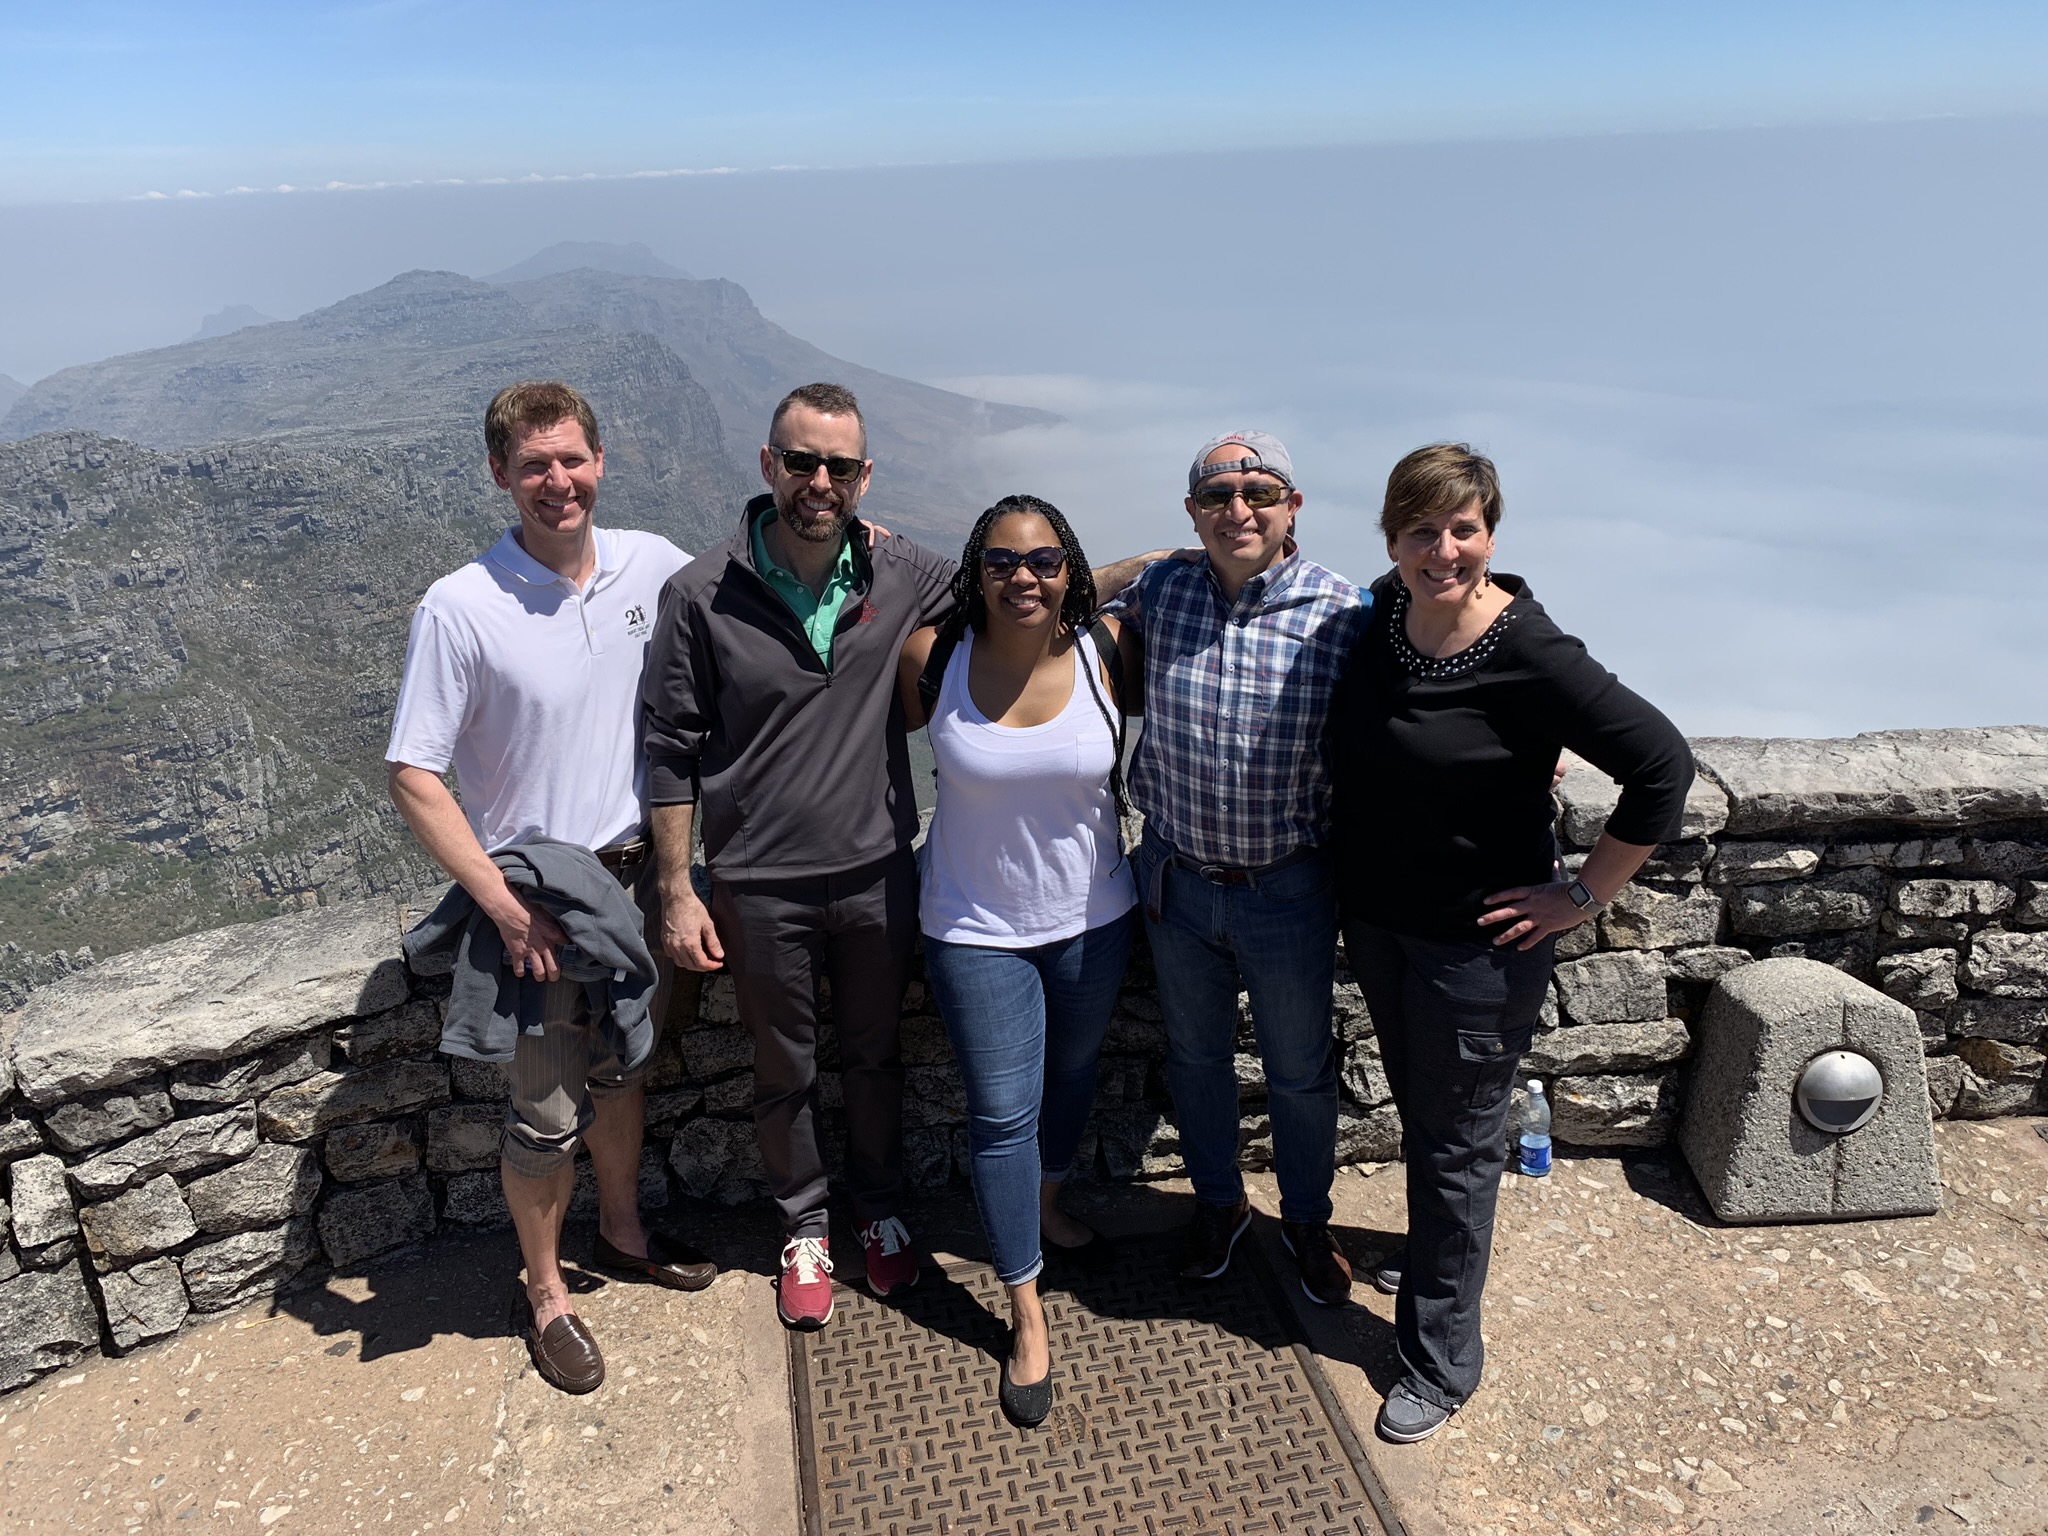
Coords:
pixel 110 101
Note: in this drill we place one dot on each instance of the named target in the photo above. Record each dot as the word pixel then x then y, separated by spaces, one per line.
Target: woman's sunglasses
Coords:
pixel 1046 562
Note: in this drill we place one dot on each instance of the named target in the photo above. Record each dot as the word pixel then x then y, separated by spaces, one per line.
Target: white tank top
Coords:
pixel 1023 845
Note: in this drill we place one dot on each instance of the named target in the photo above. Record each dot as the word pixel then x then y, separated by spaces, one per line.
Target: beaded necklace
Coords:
pixel 1437 667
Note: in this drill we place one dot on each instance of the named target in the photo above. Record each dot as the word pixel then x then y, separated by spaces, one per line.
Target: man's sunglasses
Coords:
pixel 1214 498
pixel 804 465
pixel 1046 562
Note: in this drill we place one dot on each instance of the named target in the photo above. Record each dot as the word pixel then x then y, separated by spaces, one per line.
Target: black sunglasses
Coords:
pixel 1214 498
pixel 1046 562
pixel 804 465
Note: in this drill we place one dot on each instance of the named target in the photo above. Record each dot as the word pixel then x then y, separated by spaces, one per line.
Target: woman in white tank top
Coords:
pixel 1026 897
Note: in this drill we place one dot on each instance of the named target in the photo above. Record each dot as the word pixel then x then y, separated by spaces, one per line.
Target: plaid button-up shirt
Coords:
pixel 1233 767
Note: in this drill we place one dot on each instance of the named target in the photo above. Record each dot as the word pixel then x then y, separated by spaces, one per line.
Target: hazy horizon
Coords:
pixel 1770 406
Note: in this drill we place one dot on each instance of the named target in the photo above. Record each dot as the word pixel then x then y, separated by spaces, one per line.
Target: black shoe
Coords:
pixel 1205 1252
pixel 1386 1275
pixel 1025 1407
pixel 1405 1418
pixel 1091 1257
pixel 1325 1272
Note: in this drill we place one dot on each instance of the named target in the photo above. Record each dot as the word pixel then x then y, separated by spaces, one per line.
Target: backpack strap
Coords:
pixel 934 673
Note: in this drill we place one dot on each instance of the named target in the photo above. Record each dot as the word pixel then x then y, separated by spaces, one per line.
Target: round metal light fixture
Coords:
pixel 1839 1092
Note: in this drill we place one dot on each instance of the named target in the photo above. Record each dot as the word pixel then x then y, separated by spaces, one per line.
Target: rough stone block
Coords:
pixel 1372 1137
pixel 715 1052
pixel 1139 1142
pixel 18 1138
pixel 2032 911
pixel 1588 798
pixel 719 1160
pixel 332 1099
pixel 41 1202
pixel 664 1109
pixel 211 996
pixel 1642 918
pixel 144 1303
pixel 928 1157
pixel 933 1096
pixel 1613 988
pixel 383 1149
pixel 236 1082
pixel 1944 1082
pixel 1757 863
pixel 78 1125
pixel 1364 1078
pixel 1920 978
pixel 1922 930
pixel 463 1137
pixel 476 1200
pixel 717 1003
pixel 231 1271
pixel 1933 779
pixel 140 1224
pixel 2020 1020
pixel 182 1147
pixel 482 1081
pixel 735 1095
pixel 924 1042
pixel 1577 943
pixel 1588 1049
pixel 2003 1079
pixel 2001 859
pixel 406 1030
pixel 2008 964
pixel 356 1224
pixel 1912 853
pixel 1951 898
pixel 665 1067
pixel 1132 1033
pixel 1708 964
pixel 1614 1111
pixel 1755 1156
pixel 1849 899
pixel 51 1323
pixel 271 1185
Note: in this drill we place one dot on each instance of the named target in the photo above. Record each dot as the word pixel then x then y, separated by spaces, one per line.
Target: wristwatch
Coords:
pixel 1584 899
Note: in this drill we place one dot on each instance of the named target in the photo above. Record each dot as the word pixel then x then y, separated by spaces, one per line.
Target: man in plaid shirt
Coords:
pixel 1241 650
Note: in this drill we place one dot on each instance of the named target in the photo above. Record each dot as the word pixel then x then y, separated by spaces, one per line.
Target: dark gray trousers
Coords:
pixel 1453 1019
pixel 781 937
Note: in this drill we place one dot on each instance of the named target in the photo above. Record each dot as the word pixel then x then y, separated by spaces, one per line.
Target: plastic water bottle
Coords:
pixel 1536 1133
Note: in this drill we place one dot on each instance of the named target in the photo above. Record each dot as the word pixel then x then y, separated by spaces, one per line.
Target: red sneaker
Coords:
pixel 892 1263
pixel 803 1293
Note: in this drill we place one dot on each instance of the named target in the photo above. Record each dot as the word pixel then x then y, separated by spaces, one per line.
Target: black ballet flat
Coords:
pixel 1025 1407
pixel 1091 1257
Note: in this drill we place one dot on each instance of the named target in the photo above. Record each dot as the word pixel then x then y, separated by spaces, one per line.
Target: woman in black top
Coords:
pixel 1445 736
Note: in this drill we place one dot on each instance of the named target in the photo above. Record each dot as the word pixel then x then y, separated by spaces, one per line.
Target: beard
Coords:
pixel 815 530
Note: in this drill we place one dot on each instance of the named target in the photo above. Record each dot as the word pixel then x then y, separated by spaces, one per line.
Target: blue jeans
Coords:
pixel 1027 1027
pixel 1276 938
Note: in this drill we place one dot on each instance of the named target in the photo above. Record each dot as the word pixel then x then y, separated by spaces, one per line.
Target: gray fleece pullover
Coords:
pixel 797 768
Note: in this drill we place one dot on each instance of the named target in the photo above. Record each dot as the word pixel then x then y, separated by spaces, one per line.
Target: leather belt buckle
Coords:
pixel 1224 874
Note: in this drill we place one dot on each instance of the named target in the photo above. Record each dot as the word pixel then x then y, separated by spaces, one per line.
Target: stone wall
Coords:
pixel 191 1126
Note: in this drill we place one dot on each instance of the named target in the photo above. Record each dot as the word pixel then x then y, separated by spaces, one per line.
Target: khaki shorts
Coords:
pixel 557 1076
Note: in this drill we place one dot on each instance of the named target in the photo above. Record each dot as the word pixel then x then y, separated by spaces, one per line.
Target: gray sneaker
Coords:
pixel 1405 1418
pixel 1386 1275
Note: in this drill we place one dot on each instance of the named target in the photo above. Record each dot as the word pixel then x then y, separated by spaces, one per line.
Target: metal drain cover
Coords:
pixel 1185 1409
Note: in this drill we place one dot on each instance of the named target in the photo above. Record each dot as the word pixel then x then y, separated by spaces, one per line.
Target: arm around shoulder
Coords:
pixel 910 665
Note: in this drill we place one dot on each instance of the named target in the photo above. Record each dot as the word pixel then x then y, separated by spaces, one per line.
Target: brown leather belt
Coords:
pixel 622 859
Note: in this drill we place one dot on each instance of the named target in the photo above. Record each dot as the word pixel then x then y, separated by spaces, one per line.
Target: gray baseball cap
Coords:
pixel 1262 450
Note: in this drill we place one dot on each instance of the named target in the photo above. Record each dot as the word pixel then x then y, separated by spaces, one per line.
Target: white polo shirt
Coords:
pixel 530 690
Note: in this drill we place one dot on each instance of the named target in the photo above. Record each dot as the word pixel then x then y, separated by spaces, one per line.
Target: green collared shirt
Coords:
pixel 818 613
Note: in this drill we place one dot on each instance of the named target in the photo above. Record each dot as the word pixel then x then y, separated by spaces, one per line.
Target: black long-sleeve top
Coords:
pixel 1441 769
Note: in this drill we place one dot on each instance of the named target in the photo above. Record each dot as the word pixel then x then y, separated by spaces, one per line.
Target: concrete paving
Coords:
pixel 1649 1370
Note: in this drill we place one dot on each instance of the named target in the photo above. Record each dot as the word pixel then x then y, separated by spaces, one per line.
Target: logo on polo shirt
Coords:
pixel 636 622
pixel 868 612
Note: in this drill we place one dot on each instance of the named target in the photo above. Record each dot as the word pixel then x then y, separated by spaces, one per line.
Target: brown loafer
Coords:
pixel 564 1352
pixel 675 1265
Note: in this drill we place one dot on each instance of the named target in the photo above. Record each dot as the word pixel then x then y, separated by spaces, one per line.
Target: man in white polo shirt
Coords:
pixel 523 675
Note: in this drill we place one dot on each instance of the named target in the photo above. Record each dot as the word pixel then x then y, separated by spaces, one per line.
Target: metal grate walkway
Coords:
pixel 1185 1409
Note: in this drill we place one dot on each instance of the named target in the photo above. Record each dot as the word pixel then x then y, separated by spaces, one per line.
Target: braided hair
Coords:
pixel 970 610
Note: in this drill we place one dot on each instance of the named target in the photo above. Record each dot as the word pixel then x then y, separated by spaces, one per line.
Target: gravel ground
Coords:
pixel 1649 1371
